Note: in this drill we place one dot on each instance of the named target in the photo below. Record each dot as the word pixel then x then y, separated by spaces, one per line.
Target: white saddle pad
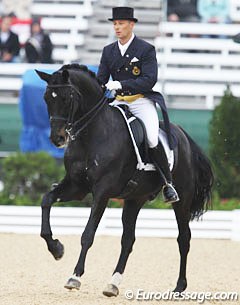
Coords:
pixel 169 153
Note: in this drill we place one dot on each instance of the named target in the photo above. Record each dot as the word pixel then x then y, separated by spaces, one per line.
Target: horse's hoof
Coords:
pixel 181 286
pixel 57 250
pixel 111 291
pixel 73 283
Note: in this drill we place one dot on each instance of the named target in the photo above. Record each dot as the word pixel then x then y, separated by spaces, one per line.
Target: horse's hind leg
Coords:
pixel 129 216
pixel 65 191
pixel 184 237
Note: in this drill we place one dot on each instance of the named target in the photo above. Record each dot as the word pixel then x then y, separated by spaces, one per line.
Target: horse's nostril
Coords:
pixel 61 139
pixel 58 140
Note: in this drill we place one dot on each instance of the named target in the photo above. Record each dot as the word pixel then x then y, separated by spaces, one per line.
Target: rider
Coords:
pixel 132 64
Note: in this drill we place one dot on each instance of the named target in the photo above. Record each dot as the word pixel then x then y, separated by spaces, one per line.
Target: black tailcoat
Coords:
pixel 137 71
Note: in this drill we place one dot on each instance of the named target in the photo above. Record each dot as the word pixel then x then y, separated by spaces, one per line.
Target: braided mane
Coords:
pixel 76 66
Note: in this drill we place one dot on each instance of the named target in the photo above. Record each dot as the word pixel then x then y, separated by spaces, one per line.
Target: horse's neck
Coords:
pixel 91 92
pixel 101 124
pixel 104 140
pixel 101 127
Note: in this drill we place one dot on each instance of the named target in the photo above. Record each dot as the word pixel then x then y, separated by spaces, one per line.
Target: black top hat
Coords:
pixel 122 13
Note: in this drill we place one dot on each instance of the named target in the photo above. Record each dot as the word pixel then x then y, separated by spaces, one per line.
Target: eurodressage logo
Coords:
pixel 200 297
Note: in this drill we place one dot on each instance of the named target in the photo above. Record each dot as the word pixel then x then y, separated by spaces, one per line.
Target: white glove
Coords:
pixel 113 85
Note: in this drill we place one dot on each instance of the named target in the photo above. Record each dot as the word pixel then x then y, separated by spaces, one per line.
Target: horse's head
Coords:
pixel 67 96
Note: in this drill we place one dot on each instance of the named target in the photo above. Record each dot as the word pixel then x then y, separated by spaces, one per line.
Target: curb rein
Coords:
pixel 73 129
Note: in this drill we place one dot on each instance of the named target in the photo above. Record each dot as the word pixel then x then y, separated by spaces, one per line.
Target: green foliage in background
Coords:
pixel 224 204
pixel 224 145
pixel 27 177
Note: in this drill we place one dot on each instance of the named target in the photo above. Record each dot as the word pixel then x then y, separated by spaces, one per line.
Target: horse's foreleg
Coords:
pixel 183 239
pixel 65 191
pixel 129 216
pixel 87 238
pixel 54 246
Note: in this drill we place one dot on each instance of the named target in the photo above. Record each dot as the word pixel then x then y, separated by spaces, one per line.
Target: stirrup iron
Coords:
pixel 174 196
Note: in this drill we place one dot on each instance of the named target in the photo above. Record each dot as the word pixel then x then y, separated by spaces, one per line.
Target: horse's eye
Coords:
pixel 54 94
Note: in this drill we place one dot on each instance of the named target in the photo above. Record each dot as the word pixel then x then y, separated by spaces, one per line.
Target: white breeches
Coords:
pixel 145 110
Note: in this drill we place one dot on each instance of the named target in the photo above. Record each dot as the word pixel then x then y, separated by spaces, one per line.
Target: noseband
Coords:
pixel 73 129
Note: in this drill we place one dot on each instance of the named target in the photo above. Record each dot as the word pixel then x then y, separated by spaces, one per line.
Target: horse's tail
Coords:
pixel 203 180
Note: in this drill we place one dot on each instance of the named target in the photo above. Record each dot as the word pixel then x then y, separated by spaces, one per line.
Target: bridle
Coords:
pixel 73 129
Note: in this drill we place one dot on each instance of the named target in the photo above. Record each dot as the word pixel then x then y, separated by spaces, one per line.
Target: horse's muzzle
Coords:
pixel 59 139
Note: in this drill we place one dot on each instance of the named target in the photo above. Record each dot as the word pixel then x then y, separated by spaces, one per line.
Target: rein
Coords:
pixel 73 129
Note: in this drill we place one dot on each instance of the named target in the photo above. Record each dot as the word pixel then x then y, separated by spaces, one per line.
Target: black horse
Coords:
pixel 100 159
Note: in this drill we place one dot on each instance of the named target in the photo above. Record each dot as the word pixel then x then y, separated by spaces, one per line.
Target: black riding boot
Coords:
pixel 159 159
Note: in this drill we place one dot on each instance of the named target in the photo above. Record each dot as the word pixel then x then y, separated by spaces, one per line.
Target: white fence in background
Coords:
pixel 151 222
pixel 65 21
pixel 11 74
pixel 193 62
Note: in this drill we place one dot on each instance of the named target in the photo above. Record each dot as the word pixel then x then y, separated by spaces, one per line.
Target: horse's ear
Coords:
pixel 43 75
pixel 65 75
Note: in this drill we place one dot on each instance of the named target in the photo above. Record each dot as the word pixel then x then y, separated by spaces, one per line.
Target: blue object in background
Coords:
pixel 35 121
